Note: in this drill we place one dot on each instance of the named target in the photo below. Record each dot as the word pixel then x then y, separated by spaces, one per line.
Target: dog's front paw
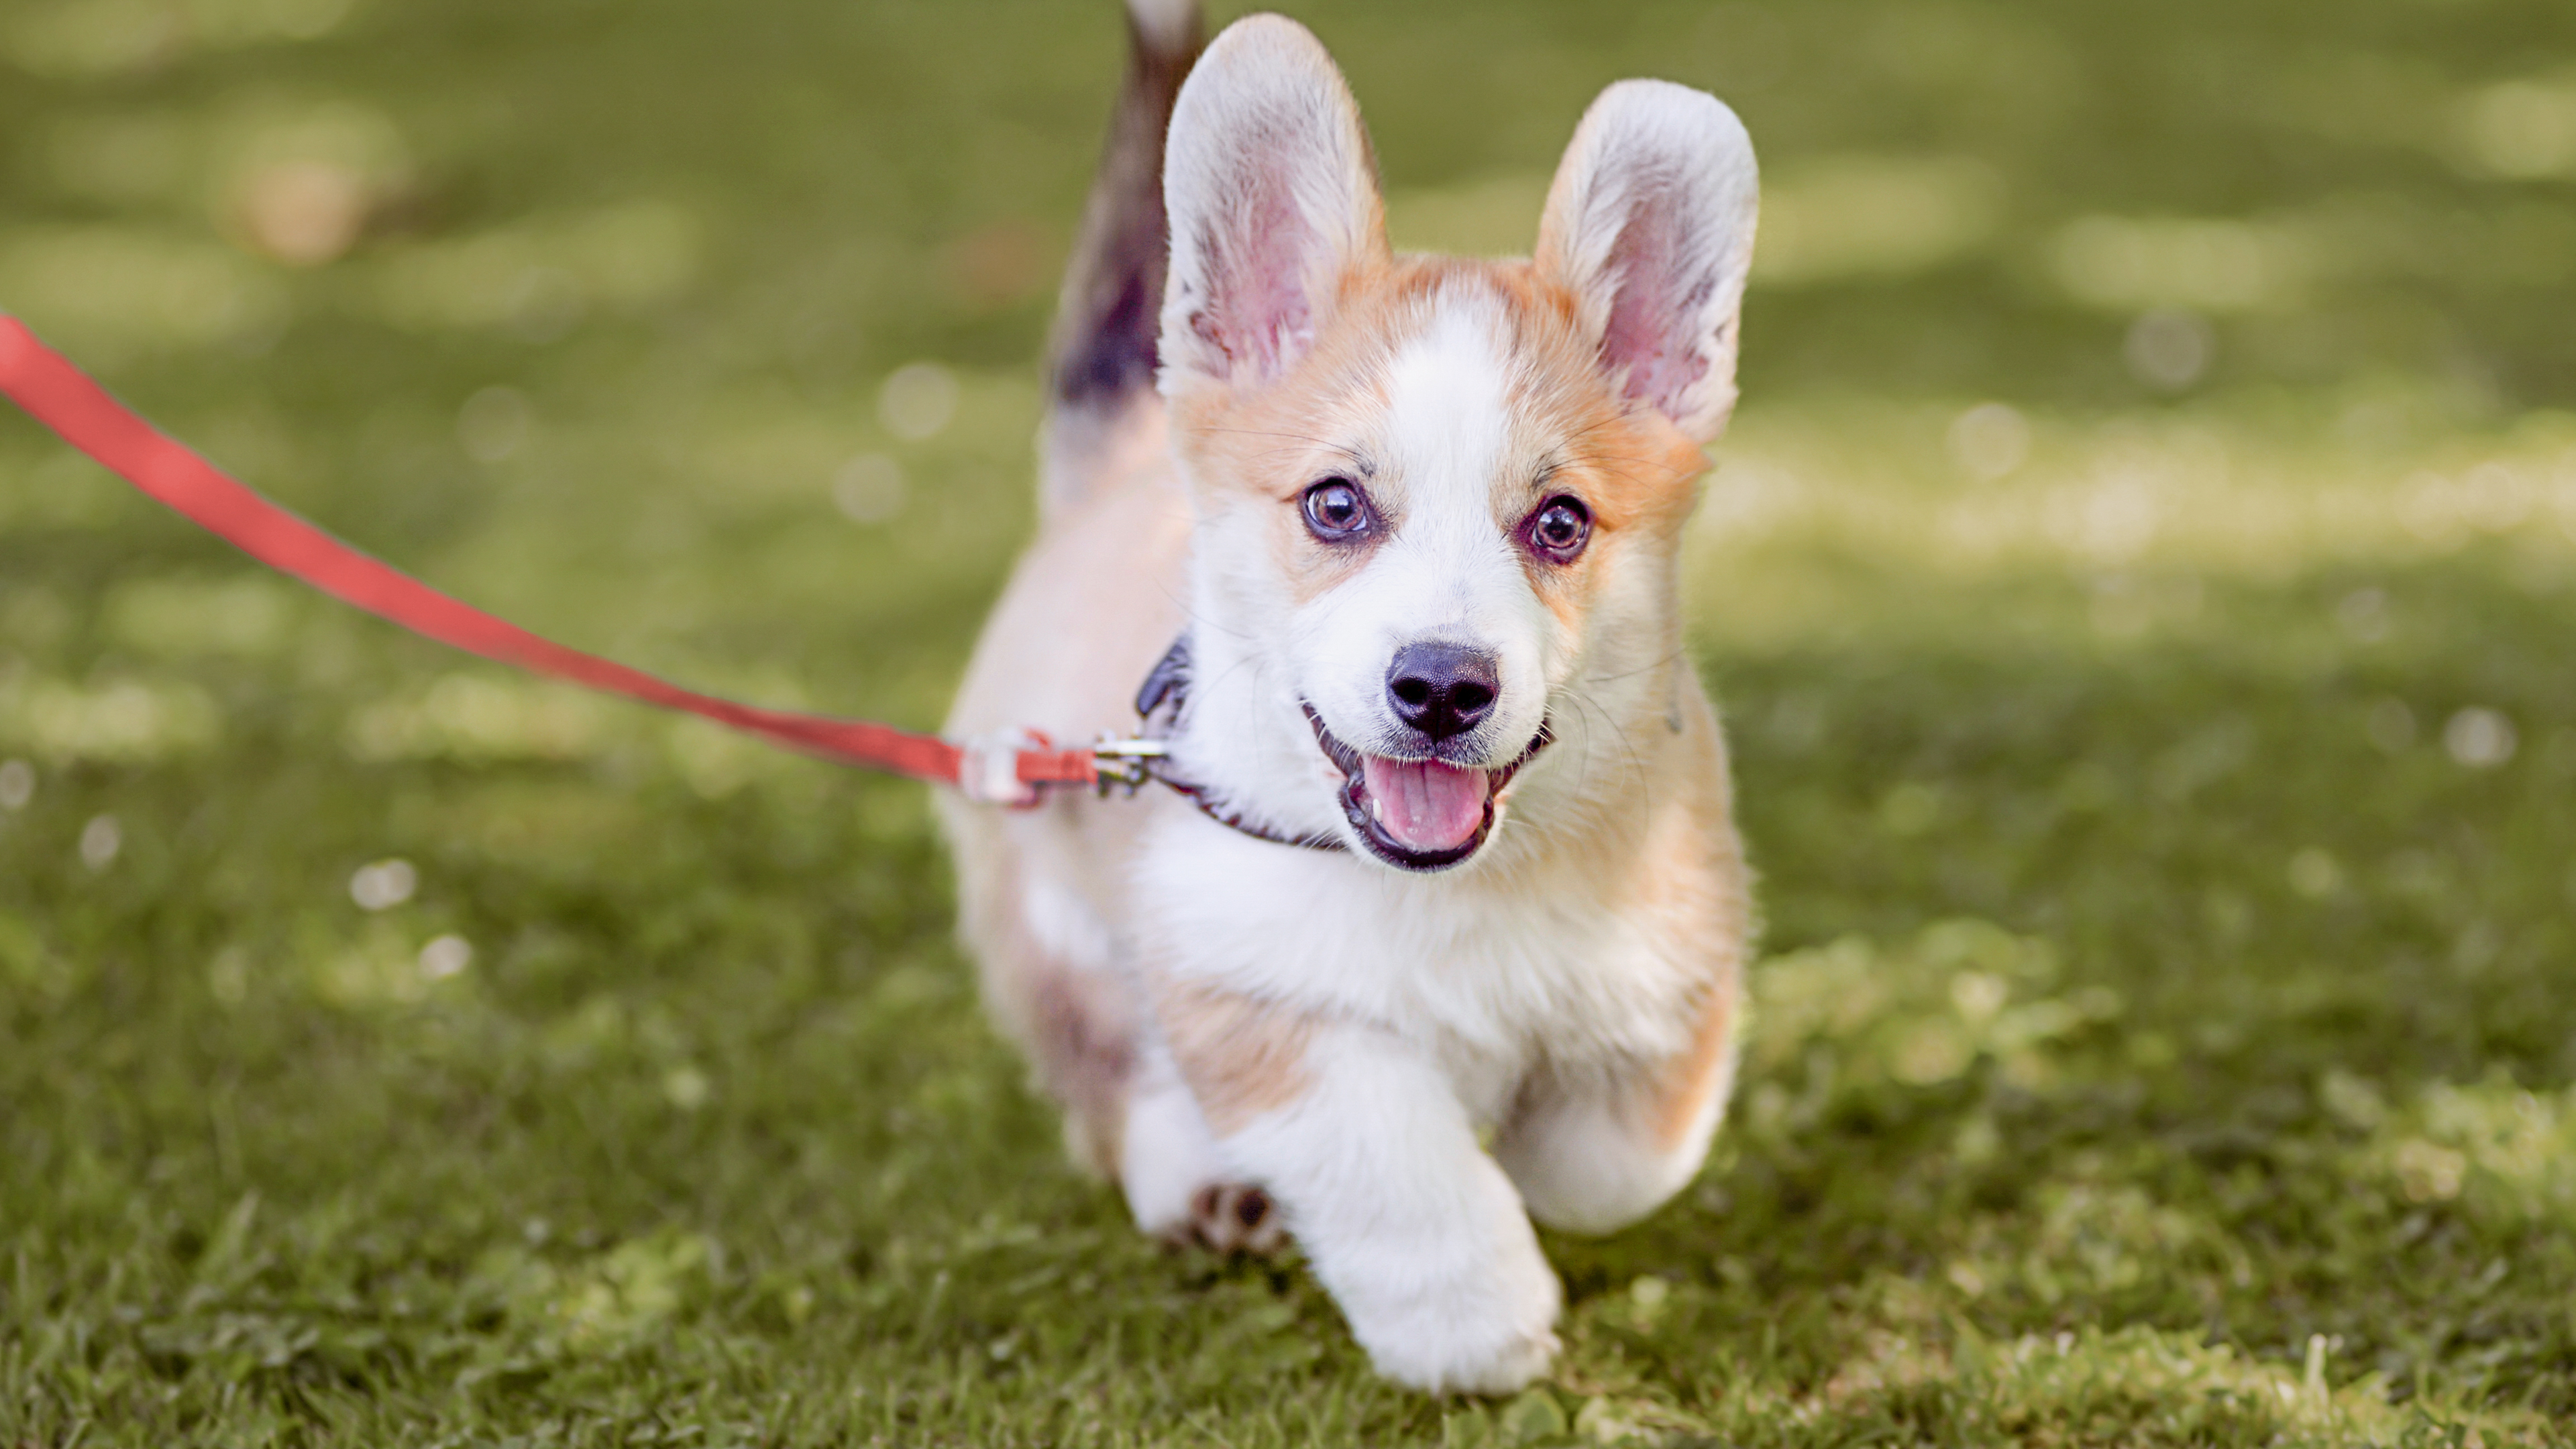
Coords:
pixel 1490 1336
pixel 1459 1359
pixel 1496 1369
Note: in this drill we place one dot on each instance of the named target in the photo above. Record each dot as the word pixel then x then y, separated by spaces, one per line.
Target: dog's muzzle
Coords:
pixel 1422 814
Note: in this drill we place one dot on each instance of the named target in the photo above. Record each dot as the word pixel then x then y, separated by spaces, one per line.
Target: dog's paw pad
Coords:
pixel 1232 1217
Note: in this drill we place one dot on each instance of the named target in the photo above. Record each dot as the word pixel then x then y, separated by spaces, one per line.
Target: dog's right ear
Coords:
pixel 1272 194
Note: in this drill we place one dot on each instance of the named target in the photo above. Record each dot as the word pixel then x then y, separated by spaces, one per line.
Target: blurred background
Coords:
pixel 440 273
pixel 2139 577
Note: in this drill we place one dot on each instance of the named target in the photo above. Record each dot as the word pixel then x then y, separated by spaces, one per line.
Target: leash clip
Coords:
pixel 1125 764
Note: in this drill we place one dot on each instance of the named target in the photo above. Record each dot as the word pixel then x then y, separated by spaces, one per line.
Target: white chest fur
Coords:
pixel 1488 973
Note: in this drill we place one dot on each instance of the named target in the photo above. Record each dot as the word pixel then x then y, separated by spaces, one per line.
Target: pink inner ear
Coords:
pixel 1257 313
pixel 1654 314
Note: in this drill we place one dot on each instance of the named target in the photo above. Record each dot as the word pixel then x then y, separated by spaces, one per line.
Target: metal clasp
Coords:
pixel 1125 763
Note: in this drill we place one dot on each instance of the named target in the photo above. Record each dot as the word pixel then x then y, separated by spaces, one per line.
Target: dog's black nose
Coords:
pixel 1442 689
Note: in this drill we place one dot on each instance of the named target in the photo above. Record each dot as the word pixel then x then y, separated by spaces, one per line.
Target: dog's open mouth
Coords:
pixel 1418 814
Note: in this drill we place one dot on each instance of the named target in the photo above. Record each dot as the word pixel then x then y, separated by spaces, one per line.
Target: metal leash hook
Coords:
pixel 1018 769
pixel 1125 764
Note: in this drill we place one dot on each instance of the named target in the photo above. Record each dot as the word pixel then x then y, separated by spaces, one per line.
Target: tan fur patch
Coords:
pixel 1691 882
pixel 1687 1081
pixel 1241 1057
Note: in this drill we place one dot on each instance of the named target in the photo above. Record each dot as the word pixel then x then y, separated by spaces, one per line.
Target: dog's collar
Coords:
pixel 1159 702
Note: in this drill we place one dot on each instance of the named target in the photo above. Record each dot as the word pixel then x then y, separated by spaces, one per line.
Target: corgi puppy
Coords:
pixel 1442 928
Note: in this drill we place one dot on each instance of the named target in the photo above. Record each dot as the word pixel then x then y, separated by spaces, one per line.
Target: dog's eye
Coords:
pixel 1336 510
pixel 1559 530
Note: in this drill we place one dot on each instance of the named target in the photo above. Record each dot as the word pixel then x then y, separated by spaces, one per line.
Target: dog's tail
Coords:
pixel 1101 357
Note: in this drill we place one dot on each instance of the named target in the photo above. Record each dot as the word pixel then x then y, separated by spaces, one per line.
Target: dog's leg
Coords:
pixel 1176 1184
pixel 1597 1152
pixel 1364 1143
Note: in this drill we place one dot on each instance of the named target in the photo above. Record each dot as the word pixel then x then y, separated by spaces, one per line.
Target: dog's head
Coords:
pixel 1439 501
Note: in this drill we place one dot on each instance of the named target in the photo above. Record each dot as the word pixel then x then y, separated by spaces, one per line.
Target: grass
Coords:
pixel 2159 786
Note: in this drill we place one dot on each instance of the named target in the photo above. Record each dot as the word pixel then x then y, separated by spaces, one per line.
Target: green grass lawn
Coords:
pixel 2161 785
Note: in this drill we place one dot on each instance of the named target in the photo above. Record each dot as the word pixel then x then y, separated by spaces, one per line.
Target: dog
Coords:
pixel 1442 928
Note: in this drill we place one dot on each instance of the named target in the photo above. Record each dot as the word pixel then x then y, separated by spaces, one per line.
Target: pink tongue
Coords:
pixel 1426 805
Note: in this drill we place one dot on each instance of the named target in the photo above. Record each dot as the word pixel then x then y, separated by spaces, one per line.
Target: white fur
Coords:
pixel 1167 1154
pixel 1583 1167
pixel 1065 926
pixel 1502 994
pixel 1416 1232
pixel 1484 972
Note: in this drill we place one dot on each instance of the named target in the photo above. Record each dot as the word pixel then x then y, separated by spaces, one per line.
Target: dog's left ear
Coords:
pixel 1650 226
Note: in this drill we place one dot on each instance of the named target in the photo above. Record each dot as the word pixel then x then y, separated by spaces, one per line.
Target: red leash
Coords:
pixel 64 399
